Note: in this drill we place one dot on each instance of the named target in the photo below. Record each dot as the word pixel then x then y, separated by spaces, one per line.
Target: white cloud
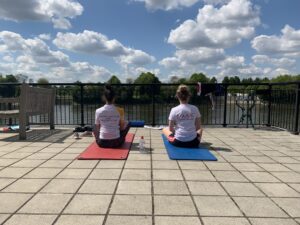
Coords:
pixel 287 44
pixel 8 58
pixel 45 37
pixel 90 42
pixel 167 4
pixel 221 27
pixel 193 58
pixel 34 58
pixel 57 11
pixel 279 62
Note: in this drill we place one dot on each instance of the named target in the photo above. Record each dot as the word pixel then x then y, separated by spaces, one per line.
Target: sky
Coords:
pixel 89 41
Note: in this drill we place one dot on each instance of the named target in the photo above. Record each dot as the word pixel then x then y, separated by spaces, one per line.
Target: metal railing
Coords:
pixel 251 104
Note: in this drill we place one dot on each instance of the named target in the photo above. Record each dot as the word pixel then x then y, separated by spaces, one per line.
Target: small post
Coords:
pixel 297 104
pixel 225 106
pixel 269 105
pixel 81 104
pixel 153 105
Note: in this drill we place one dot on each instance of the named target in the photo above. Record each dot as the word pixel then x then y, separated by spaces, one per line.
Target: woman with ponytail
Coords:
pixel 184 122
pixel 110 128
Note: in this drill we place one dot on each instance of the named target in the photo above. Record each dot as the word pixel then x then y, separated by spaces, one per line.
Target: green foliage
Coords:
pixel 114 80
pixel 43 81
pixel 199 77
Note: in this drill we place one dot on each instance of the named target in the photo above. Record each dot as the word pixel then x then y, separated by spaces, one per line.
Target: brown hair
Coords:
pixel 109 94
pixel 183 93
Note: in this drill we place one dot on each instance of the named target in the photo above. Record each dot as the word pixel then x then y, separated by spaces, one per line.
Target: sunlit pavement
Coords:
pixel 256 180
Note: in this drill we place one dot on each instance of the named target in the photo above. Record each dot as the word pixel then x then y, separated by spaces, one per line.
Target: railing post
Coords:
pixel 81 104
pixel 225 106
pixel 269 105
pixel 153 105
pixel 297 104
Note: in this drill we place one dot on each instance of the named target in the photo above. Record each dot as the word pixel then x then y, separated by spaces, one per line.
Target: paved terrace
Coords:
pixel 255 181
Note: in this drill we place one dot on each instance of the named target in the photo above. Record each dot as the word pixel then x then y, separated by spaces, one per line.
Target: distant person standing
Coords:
pixel 184 122
pixel 110 128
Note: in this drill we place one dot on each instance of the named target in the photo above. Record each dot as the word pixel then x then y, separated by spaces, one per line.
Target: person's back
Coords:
pixel 109 118
pixel 184 116
pixel 184 122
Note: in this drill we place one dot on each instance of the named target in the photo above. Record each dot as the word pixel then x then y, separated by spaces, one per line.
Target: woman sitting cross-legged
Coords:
pixel 184 122
pixel 110 128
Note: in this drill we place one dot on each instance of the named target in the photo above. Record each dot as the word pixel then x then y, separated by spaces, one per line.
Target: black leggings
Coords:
pixel 114 143
pixel 184 144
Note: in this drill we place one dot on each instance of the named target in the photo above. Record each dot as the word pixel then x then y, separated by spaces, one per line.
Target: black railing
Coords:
pixel 253 104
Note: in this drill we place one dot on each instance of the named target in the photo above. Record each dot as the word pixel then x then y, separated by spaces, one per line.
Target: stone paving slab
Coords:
pixel 256 181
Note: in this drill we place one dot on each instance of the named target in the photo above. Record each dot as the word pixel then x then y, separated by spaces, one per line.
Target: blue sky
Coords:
pixel 69 40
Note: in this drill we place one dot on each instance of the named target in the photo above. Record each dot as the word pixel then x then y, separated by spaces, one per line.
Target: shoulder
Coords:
pixel 99 110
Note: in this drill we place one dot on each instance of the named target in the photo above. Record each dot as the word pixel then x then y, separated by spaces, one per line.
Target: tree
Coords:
pixel 213 80
pixel 198 77
pixel 114 80
pixel 144 92
pixel 174 79
pixel 225 80
pixel 43 81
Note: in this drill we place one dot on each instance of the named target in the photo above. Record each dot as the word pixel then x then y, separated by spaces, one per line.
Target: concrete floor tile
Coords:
pixel 11 172
pixel 138 165
pixel 296 187
pixel 170 188
pixel 129 220
pixel 136 174
pixel 88 204
pixel 52 163
pixel 272 221
pixel 31 219
pixel 261 159
pixel 137 157
pixel 3 217
pixel 62 156
pixel 41 156
pixel 79 220
pixel 176 220
pixel 134 187
pixel 229 176
pixel 5 181
pixel 289 177
pixel 205 188
pixel 74 173
pixel 290 205
pixel 46 203
pixel 198 175
pixel 83 164
pixel 264 207
pixel 132 204
pixel 273 167
pixel 7 162
pixel 28 163
pixel 260 177
pixel 98 187
pixel 224 221
pixel 62 186
pixel 160 157
pixel 10 202
pixel 247 167
pixel 165 165
pixel 192 165
pixel 174 205
pixel 241 189
pixel 167 175
pixel 277 190
pixel 219 166
pixel 43 173
pixel 216 206
pixel 111 164
pixel 26 185
pixel 112 174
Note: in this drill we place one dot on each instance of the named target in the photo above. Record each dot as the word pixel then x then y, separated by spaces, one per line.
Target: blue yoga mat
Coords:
pixel 137 123
pixel 178 153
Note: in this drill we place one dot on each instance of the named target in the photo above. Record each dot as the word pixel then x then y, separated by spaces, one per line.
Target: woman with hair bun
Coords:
pixel 184 122
pixel 110 128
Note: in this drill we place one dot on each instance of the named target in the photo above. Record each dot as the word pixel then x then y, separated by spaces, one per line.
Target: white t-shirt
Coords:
pixel 184 116
pixel 109 119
